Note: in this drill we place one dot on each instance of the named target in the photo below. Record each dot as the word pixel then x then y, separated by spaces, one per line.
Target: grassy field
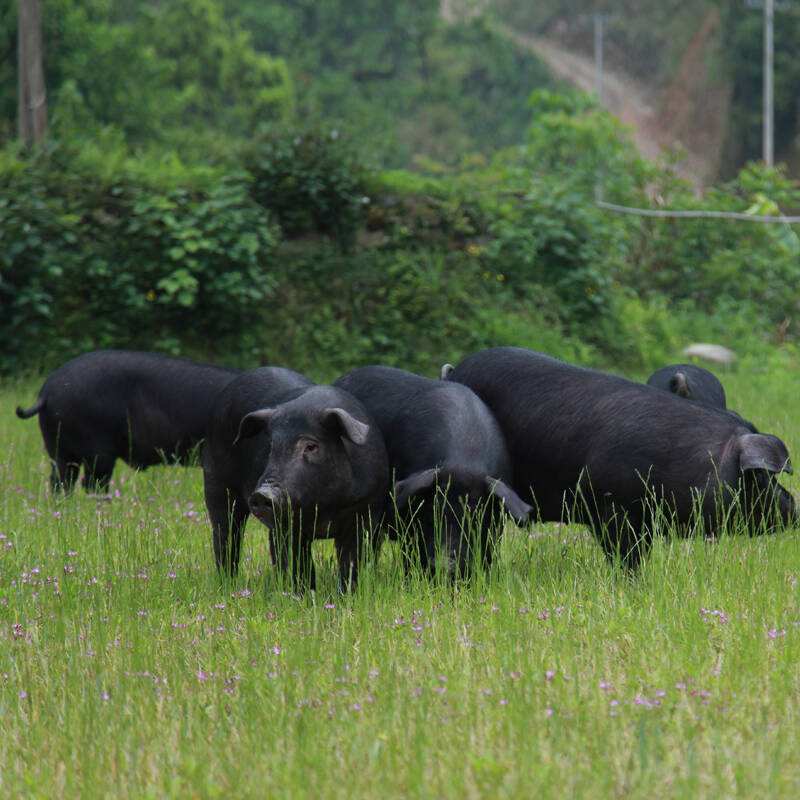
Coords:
pixel 128 669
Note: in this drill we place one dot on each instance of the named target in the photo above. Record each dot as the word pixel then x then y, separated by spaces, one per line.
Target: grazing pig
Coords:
pixel 447 451
pixel 691 382
pixel 605 448
pixel 306 460
pixel 144 408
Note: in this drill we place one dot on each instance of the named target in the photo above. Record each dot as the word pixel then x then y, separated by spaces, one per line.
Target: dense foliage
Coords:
pixel 200 76
pixel 89 262
pixel 404 83
pixel 181 206
pixel 301 254
pixel 160 73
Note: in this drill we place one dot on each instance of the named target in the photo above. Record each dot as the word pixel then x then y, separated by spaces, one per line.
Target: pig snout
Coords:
pixel 265 500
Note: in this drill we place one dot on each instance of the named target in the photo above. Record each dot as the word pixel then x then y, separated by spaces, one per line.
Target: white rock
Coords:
pixel 711 352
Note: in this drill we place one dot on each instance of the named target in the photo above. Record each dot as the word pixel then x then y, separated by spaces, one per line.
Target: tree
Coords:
pixel 32 94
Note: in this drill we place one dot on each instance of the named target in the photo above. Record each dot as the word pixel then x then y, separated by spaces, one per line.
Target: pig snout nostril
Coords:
pixel 258 500
pixel 264 498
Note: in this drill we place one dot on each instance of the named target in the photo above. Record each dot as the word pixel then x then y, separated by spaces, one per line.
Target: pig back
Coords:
pixel 568 426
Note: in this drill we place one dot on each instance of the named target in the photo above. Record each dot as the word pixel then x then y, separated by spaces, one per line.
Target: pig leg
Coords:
pixel 63 475
pixel 347 555
pixel 228 513
pixel 350 550
pixel 64 467
pixel 291 552
pixel 491 542
pixel 97 471
pixel 623 538
pixel 428 547
pixel 409 551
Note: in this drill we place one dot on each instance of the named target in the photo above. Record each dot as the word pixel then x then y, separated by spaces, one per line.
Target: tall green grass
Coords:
pixel 129 669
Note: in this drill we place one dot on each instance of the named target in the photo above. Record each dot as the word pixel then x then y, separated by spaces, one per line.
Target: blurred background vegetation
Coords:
pixel 323 183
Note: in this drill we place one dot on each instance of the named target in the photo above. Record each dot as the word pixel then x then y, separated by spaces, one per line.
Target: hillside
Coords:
pixel 683 74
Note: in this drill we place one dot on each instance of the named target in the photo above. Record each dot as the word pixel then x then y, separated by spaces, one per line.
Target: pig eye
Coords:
pixel 310 448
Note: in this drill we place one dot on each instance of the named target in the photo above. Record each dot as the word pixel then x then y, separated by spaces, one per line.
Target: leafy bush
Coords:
pixel 709 261
pixel 101 248
pixel 310 180
pixel 409 309
pixel 558 241
pixel 89 264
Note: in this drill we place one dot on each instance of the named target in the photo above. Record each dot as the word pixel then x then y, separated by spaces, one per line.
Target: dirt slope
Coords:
pixel 628 99
pixel 690 114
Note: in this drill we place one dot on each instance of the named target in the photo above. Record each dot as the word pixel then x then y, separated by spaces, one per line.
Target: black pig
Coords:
pixel 440 437
pixel 691 382
pixel 306 460
pixel 144 408
pixel 606 448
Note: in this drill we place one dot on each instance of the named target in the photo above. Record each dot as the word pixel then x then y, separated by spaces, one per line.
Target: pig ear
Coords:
pixel 762 451
pixel 345 424
pixel 254 422
pixel 414 484
pixel 515 505
pixel 679 384
pixel 446 370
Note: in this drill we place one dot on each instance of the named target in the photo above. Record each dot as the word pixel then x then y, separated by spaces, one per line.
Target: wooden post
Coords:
pixel 32 94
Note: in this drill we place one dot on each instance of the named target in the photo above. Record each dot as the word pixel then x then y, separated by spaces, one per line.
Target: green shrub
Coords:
pixel 310 180
pixel 89 264
pixel 557 240
pixel 709 261
pixel 414 310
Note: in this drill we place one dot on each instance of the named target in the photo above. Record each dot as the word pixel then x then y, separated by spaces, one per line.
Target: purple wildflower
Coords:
pixel 641 700
pixel 709 614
